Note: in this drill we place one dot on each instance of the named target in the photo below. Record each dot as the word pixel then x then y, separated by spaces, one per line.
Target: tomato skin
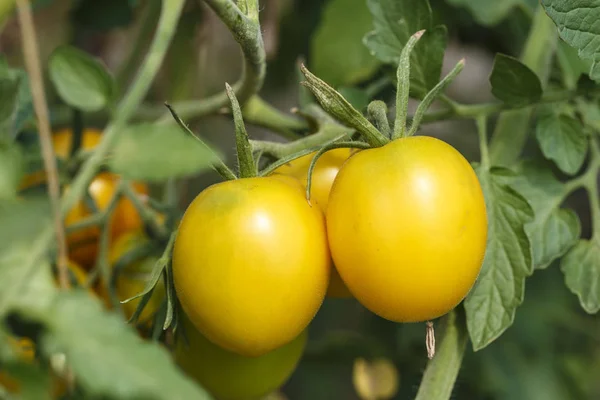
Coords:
pixel 407 228
pixel 251 263
pixel 323 175
pixel 230 376
pixel 132 279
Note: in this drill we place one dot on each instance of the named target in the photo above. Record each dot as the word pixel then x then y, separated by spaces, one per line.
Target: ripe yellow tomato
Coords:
pixel 132 279
pixel 407 228
pixel 230 376
pixel 251 263
pixel 83 244
pixel 325 171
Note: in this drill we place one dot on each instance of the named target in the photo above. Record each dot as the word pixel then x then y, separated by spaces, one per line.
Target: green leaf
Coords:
pixel 11 169
pixel 337 53
pixel 581 267
pixel 513 82
pixel 554 230
pixel 81 81
pixel 395 21
pixel 156 152
pixel 571 65
pixel 107 356
pixel 489 13
pixel 561 139
pixel 577 23
pixel 500 287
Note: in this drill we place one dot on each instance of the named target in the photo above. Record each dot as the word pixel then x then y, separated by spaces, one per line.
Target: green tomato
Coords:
pixel 230 376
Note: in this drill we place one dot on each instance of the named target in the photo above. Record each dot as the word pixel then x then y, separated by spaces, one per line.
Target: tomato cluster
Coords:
pixel 402 228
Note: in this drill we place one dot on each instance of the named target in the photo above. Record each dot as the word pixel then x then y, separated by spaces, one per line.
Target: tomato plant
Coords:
pixel 398 208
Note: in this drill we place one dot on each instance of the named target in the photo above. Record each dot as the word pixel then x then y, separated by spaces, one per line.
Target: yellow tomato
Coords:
pixel 407 228
pixel 325 171
pixel 132 279
pixel 83 243
pixel 251 263
pixel 230 376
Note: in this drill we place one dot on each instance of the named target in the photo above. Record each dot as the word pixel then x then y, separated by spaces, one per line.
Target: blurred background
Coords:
pixel 552 352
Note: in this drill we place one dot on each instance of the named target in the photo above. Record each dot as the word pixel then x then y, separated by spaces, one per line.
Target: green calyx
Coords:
pixel 381 133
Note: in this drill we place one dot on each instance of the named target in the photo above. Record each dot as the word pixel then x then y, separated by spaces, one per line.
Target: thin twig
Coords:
pixel 32 64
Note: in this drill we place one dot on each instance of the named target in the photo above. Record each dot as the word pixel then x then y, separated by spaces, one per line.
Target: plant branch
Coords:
pixel 469 111
pixel 327 133
pixel 34 70
pixel 442 370
pixel 247 33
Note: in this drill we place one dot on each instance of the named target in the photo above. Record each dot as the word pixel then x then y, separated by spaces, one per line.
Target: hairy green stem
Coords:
pixel 377 111
pixel 469 111
pixel 327 133
pixel 219 166
pixel 442 370
pixel 323 150
pixel 432 95
pixel 483 145
pixel 246 31
pixel 512 127
pixel 258 112
pixel 403 88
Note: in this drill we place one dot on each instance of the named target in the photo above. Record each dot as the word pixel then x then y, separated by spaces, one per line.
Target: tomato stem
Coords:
pixel 246 164
pixel 337 106
pixel 377 111
pixel 481 123
pixel 403 86
pixel 313 162
pixel 442 370
pixel 246 32
pixel 219 166
pixel 432 95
